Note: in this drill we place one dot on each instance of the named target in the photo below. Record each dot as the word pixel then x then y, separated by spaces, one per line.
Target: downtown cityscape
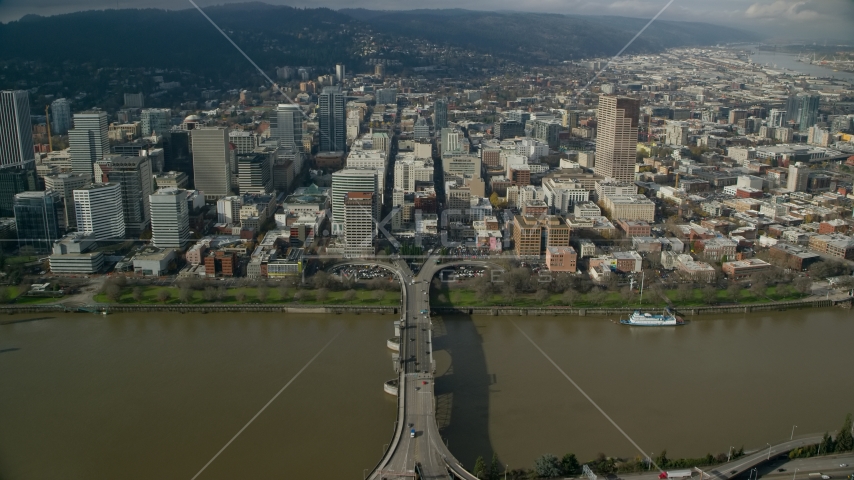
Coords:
pixel 278 242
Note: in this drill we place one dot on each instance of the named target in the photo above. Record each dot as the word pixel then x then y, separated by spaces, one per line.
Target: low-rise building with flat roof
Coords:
pixel 741 269
pixel 561 259
pixel 153 261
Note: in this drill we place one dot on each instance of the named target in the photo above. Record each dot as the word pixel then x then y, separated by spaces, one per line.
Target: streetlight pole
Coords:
pixel 506 466
pixel 796 474
pixel 793 432
pixel 769 455
pixel 729 455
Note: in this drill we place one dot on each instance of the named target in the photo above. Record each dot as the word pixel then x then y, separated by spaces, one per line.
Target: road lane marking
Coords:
pixel 268 404
pixel 577 387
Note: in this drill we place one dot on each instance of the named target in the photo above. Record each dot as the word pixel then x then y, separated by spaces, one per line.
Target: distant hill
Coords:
pixel 529 37
pixel 280 35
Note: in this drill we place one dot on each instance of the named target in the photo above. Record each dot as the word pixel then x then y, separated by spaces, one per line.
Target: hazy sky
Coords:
pixel 816 20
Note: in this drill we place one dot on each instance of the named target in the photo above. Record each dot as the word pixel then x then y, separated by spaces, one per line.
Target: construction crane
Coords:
pixel 47 124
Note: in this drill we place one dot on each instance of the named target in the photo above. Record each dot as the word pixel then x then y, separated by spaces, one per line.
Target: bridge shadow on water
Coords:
pixel 462 388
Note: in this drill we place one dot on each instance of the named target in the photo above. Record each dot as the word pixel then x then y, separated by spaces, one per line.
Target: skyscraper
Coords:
pixel 254 173
pixel 99 211
pixel 803 110
pixel 340 72
pixel 440 115
pixel 617 137
pixel 798 177
pixel 331 120
pixel 37 219
pixel 808 115
pixel 60 116
pixel 88 141
pixel 359 224
pixel 211 162
pixel 14 180
pixel 64 185
pixel 170 218
pixel 156 120
pixel 16 129
pixel 286 126
pixel 133 175
pixel 351 180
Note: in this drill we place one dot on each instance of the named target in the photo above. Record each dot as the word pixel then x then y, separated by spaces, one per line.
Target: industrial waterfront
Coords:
pixel 131 396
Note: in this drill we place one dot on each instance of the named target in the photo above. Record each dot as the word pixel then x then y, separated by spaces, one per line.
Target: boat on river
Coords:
pixel 644 319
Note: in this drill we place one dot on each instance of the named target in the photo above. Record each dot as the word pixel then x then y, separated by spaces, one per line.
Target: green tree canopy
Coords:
pixel 569 465
pixel 547 466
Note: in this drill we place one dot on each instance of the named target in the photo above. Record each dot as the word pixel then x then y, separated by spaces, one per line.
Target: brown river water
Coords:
pixel 139 396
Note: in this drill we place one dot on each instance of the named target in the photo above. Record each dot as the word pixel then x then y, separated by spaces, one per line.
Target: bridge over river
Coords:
pixel 417 449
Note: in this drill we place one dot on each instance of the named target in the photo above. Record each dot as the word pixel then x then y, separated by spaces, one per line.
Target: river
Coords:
pixel 790 62
pixel 131 396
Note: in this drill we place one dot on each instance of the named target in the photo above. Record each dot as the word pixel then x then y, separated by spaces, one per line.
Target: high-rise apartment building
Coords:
pixel 37 219
pixel 89 141
pixel 286 126
pixel 254 173
pixel 340 72
pixel 359 224
pixel 64 185
pixel 676 133
pixel 386 96
pixel 776 117
pixel 617 137
pixel 421 130
pixel 244 142
pixel 351 180
pixel 407 171
pixel 134 100
pixel 99 211
pixel 802 109
pixel 331 120
pixel 211 162
pixel 14 180
pixel 808 114
pixel 798 178
pixel 156 120
pixel 170 218
pixel 60 116
pixel 16 129
pixel 440 114
pixel 134 176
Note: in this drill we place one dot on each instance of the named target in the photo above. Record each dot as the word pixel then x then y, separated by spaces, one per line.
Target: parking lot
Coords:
pixel 469 252
pixel 360 272
pixel 461 272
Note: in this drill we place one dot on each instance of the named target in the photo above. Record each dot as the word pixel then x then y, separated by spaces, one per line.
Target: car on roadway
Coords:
pixel 423 311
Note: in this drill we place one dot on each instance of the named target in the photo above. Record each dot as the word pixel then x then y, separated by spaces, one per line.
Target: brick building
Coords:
pixel 221 263
pixel 635 228
pixel 561 259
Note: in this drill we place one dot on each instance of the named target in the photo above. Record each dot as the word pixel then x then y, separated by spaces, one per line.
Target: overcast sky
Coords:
pixel 816 20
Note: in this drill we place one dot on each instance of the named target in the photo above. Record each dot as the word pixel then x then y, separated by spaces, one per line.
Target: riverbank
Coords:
pixel 504 310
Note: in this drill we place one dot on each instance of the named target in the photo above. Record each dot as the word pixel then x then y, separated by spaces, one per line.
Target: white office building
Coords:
pixel 408 170
pixel 359 224
pixel 170 218
pixel 351 180
pixel 99 211
pixel 89 141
